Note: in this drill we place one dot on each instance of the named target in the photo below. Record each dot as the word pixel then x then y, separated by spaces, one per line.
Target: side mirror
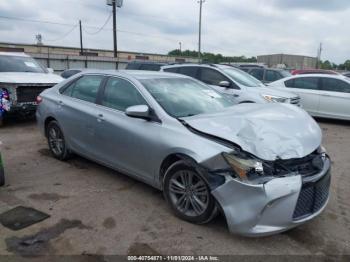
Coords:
pixel 50 70
pixel 225 84
pixel 139 111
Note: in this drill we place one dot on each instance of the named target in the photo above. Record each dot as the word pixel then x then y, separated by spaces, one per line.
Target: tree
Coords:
pixel 213 58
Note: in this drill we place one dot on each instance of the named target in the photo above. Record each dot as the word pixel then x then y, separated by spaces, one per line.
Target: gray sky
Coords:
pixel 230 27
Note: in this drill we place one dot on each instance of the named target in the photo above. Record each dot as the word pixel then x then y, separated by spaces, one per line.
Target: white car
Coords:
pixel 22 79
pixel 321 95
pixel 237 85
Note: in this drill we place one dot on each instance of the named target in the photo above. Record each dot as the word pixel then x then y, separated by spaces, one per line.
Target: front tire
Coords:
pixel 188 194
pixel 56 141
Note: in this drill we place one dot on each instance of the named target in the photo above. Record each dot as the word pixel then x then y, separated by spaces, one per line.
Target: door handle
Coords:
pixel 235 95
pixel 60 103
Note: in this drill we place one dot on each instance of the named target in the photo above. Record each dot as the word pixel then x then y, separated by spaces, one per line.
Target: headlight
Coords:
pixel 245 168
pixel 275 99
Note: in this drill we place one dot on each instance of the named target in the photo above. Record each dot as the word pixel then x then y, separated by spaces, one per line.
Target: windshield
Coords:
pixel 181 97
pixel 20 64
pixel 242 78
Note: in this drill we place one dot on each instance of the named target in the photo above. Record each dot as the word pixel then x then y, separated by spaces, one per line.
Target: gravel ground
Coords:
pixel 95 210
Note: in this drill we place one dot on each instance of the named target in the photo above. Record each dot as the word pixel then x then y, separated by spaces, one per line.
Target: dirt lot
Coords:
pixel 95 210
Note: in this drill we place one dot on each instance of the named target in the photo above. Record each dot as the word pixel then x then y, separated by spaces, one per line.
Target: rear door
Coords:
pixel 334 98
pixel 76 113
pixel 271 76
pixel 124 142
pixel 308 89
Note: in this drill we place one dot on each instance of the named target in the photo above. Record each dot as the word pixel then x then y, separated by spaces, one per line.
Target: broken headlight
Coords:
pixel 244 167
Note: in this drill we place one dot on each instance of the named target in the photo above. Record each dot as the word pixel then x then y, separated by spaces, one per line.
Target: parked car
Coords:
pixel 261 164
pixel 144 65
pixel 21 80
pixel 347 74
pixel 70 72
pixel 313 71
pixel 321 95
pixel 267 75
pixel 234 83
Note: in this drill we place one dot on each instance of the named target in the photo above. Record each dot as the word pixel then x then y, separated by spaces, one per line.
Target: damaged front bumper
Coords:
pixel 273 207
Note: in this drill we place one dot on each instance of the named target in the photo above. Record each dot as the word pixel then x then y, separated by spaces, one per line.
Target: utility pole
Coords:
pixel 180 44
pixel 81 38
pixel 200 30
pixel 115 28
pixel 319 53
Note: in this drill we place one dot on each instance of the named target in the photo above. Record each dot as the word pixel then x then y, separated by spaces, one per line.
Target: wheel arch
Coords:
pixel 171 159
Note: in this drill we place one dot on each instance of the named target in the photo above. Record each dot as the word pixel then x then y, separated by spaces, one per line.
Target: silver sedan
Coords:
pixel 261 165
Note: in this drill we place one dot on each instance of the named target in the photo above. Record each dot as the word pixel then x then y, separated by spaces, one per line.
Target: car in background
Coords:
pixel 267 75
pixel 313 71
pixel 144 65
pixel 70 72
pixel 347 74
pixel 22 79
pixel 257 163
pixel 239 86
pixel 321 95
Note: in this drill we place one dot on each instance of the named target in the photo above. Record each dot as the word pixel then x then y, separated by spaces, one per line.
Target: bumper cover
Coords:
pixel 266 209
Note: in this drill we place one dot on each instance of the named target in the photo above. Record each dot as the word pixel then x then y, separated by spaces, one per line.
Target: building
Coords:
pixel 60 58
pixel 289 61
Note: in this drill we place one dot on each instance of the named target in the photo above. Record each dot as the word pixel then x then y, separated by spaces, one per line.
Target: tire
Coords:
pixel 2 173
pixel 56 141
pixel 188 194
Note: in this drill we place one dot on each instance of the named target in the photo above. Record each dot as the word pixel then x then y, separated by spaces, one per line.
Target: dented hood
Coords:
pixel 29 78
pixel 268 131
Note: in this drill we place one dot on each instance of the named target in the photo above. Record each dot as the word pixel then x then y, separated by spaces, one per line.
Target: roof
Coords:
pixel 137 74
pixel 21 54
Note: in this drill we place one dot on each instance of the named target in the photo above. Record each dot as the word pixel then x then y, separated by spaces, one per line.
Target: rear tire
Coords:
pixel 188 194
pixel 56 141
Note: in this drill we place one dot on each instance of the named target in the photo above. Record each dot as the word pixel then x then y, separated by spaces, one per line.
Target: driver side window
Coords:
pixel 212 77
pixel 120 94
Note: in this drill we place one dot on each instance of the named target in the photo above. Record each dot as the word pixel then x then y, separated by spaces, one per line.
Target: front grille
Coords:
pixel 295 100
pixel 312 197
pixel 27 94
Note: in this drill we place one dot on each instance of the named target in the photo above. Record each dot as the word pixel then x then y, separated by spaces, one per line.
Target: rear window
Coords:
pixel 303 83
pixel 150 67
pixel 335 85
pixel 191 71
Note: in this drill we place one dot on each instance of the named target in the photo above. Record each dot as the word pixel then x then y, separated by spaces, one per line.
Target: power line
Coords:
pixel 101 28
pixel 63 36
pixel 87 26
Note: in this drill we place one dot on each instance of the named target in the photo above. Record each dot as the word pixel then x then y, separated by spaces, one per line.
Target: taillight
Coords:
pixel 39 99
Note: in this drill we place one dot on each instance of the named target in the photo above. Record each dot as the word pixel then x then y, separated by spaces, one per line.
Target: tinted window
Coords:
pixel 257 73
pixel 85 88
pixel 69 73
pixel 242 78
pixel 336 85
pixel 171 70
pixel 150 67
pixel 303 83
pixel 120 94
pixel 133 66
pixel 191 71
pixel 272 76
pixel 212 77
